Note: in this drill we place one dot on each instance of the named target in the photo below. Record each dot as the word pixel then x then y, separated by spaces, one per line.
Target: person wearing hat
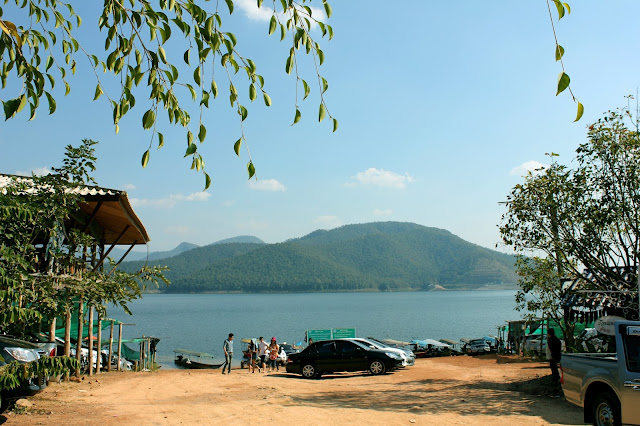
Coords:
pixel 227 347
pixel 274 353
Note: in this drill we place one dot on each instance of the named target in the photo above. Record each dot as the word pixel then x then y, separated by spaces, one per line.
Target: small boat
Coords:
pixel 191 359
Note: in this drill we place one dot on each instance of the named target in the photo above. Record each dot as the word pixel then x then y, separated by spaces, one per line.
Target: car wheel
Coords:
pixel 606 410
pixel 376 367
pixel 309 371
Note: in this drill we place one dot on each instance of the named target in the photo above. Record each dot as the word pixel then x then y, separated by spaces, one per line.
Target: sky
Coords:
pixel 442 108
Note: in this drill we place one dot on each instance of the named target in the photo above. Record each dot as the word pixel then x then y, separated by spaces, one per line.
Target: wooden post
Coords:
pixel 67 332
pixel 52 334
pixel 90 337
pixel 119 346
pixel 99 359
pixel 110 347
pixel 141 364
pixel 79 342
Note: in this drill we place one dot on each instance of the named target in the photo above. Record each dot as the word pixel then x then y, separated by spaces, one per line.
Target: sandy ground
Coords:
pixel 444 391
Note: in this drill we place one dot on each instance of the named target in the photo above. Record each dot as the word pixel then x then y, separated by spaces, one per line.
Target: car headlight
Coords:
pixel 22 354
pixel 393 355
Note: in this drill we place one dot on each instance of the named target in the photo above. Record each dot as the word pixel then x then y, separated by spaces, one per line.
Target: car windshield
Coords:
pixel 378 343
pixel 368 343
pixel 362 345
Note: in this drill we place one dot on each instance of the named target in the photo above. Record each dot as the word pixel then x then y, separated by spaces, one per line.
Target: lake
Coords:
pixel 201 322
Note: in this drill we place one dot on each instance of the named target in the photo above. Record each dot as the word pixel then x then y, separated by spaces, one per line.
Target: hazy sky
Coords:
pixel 442 105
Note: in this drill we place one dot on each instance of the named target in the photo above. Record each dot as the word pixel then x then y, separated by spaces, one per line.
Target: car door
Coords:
pixel 629 373
pixel 352 357
pixel 326 356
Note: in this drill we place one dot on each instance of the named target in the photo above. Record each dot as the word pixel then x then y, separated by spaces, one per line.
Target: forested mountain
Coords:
pixel 116 254
pixel 368 257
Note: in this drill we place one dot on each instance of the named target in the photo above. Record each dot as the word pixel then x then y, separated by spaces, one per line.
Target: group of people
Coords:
pixel 260 354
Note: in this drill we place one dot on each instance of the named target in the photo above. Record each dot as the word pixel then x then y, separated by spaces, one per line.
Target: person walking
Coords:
pixel 227 347
pixel 262 353
pixel 274 353
pixel 555 350
pixel 253 353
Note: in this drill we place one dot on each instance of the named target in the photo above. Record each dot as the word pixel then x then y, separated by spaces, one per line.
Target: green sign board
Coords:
pixel 326 334
pixel 317 335
pixel 344 333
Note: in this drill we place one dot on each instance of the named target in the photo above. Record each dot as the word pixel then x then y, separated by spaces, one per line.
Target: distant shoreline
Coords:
pixel 443 289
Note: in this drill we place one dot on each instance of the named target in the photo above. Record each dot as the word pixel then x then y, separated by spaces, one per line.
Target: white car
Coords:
pixel 407 359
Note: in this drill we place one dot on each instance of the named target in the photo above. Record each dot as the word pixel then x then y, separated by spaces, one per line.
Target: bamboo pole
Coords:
pixel 99 359
pixel 79 341
pixel 90 337
pixel 119 346
pixel 67 332
pixel 110 347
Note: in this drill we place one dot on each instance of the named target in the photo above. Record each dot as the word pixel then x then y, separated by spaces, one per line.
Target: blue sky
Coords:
pixel 440 105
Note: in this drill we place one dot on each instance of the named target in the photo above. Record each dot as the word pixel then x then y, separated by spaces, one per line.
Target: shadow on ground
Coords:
pixel 535 397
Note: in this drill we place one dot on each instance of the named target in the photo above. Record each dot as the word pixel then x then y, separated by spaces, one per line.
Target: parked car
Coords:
pixel 330 356
pixel 23 352
pixel 607 385
pixel 408 358
pixel 478 346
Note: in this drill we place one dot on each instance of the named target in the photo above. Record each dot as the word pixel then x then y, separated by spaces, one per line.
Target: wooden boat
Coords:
pixel 191 359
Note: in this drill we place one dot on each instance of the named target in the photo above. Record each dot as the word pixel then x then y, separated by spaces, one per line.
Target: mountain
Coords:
pixel 155 255
pixel 382 256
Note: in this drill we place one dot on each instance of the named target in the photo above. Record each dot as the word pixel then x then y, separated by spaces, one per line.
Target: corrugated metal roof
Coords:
pixel 115 215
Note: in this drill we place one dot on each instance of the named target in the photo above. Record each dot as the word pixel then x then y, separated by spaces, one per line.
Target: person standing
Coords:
pixel 274 353
pixel 555 350
pixel 227 347
pixel 262 353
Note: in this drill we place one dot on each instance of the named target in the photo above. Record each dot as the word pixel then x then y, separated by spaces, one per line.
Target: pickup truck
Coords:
pixel 607 385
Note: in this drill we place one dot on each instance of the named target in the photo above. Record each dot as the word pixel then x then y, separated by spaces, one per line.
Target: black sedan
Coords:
pixel 23 352
pixel 329 356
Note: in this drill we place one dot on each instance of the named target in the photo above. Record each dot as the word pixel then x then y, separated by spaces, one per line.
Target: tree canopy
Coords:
pixel 582 221
pixel 40 47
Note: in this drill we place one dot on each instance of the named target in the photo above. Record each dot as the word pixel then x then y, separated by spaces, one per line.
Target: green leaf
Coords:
pixel 160 140
pixel 189 138
pixel 191 149
pixel 145 158
pixel 236 146
pixel 251 169
pixel 162 54
pixel 148 119
pixel 186 56
pixel 196 76
pixel 267 99
pixel 202 134
pixel 307 89
pixel 327 8
pixel 321 113
pixel 289 65
pixel 566 5
pixel 325 85
pixel 207 181
pixel 52 103
pixel 230 6
pixel 49 63
pixel 580 112
pixel 283 32
pixel 297 117
pixel 563 82
pixel 335 124
pixel 243 112
pixel 321 56
pixel 272 25
pixel 252 93
pixel 98 92
pixel 560 8
pixel 214 89
pixel 559 52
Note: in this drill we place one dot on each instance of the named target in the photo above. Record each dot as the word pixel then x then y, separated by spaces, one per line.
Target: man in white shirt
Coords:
pixel 262 353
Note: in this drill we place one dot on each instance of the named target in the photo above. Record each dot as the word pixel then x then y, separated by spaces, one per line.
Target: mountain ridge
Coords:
pixel 379 256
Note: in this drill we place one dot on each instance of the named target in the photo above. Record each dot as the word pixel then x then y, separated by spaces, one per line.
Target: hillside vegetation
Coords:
pixel 384 256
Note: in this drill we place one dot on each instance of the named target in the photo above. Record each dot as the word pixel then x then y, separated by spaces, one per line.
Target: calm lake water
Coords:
pixel 201 322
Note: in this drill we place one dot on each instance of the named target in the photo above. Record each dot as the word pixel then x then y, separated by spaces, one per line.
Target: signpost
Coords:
pixel 327 334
